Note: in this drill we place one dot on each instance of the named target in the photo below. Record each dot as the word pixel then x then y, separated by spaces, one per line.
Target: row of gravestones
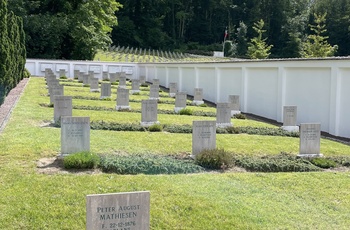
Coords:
pixel 132 210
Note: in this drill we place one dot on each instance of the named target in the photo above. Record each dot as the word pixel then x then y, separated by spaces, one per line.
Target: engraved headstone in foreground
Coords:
pixel 129 211
pixel 290 119
pixel 149 112
pixel 180 101
pixel 203 136
pixel 62 107
pixel 235 105
pixel 75 134
pixel 198 96
pixel 310 140
pixel 223 115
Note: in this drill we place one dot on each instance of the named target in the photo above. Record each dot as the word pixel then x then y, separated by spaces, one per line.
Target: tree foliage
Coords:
pixel 258 48
pixel 316 44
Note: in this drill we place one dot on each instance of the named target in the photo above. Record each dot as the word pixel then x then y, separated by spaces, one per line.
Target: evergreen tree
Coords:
pixel 242 44
pixel 4 51
pixel 317 44
pixel 258 49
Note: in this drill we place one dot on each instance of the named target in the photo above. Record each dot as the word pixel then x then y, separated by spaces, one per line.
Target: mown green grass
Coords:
pixel 30 200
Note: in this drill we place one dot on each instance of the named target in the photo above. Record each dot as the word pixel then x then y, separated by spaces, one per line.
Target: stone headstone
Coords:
pixel 52 82
pixel 290 119
pixel 135 86
pixel 198 96
pixel 75 134
pixel 122 99
pixel 48 71
pixel 76 74
pixel 172 89
pixel 310 139
pixel 118 211
pixel 180 101
pixel 62 72
pixel 91 74
pixel 155 82
pixel 55 91
pixel 149 112
pixel 223 115
pixel 62 107
pixel 86 79
pixel 80 76
pixel 122 82
pixel 105 76
pixel 235 105
pixel 142 79
pixel 113 77
pixel 94 87
pixel 105 90
pixel 203 136
pixel 154 92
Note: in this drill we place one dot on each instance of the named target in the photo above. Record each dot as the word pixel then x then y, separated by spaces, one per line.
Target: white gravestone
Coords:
pixel 154 92
pixel 235 105
pixel 290 119
pixel 76 74
pixel 105 90
pixel 223 115
pixel 52 82
pixel 55 91
pixel 122 82
pixel 155 82
pixel 135 86
pixel 122 99
pixel 172 89
pixel 203 136
pixel 86 79
pixel 80 76
pixel 180 101
pixel 75 134
pixel 61 73
pixel 105 76
pixel 149 112
pixel 94 87
pixel 91 74
pixel 62 107
pixel 198 96
pixel 310 139
pixel 118 211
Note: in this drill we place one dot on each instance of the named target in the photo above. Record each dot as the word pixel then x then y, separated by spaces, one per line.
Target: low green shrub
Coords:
pixel 177 128
pixel 63 77
pixel 147 164
pixel 81 160
pixel 101 125
pixel 341 160
pixel 106 99
pixel 186 111
pixel 282 162
pixel 203 105
pixel 214 159
pixel 240 116
pixel 86 85
pixel 26 73
pixel 155 128
pixel 145 85
pixel 323 162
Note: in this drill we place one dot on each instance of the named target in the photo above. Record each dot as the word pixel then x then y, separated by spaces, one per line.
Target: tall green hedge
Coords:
pixel 12 50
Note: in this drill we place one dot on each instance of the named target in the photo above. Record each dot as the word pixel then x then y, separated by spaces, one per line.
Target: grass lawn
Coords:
pixel 230 200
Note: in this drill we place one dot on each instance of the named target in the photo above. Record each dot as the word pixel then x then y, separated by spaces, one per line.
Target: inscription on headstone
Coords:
pixel 62 107
pixel 203 136
pixel 75 134
pixel 310 139
pixel 118 211
pixel 149 113
pixel 223 115
pixel 122 99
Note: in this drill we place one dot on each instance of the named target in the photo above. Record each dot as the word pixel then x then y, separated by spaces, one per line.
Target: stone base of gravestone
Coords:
pixel 122 86
pixel 103 97
pixel 148 124
pixel 234 112
pixel 154 98
pixel 310 156
pixel 122 107
pixel 197 102
pixel 290 128
pixel 223 125
pixel 95 90
pixel 172 94
pixel 134 91
pixel 177 109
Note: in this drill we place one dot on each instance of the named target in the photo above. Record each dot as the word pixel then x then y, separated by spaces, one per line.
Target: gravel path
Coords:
pixel 10 102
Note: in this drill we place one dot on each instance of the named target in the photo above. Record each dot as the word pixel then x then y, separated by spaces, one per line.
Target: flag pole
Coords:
pixel 223 44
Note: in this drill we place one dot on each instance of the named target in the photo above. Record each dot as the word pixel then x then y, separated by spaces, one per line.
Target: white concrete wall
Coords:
pixel 319 88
